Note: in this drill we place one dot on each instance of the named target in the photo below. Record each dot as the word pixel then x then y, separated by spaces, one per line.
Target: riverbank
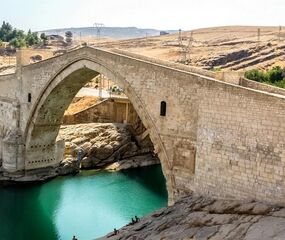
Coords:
pixel 197 217
pixel 100 146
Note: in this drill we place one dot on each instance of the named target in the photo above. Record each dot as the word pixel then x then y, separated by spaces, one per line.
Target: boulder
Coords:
pixel 68 166
pixel 101 144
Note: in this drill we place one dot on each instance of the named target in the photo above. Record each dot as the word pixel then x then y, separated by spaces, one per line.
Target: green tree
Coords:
pixel 6 31
pixel 44 38
pixel 17 43
pixel 68 37
pixel 32 38
pixel 17 38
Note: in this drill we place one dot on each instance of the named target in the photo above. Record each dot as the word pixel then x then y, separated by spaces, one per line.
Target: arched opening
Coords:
pixel 48 113
pixel 42 148
pixel 101 129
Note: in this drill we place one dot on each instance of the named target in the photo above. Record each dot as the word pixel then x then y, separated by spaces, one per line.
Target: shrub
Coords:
pixel 275 76
pixel 255 75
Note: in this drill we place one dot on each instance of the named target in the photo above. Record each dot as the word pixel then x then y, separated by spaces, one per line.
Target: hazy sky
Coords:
pixel 160 14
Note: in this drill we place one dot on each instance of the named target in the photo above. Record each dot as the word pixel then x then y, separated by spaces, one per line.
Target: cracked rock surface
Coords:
pixel 100 145
pixel 200 218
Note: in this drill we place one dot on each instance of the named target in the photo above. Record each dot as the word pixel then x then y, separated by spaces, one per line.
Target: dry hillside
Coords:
pixel 230 48
pixel 80 103
pixel 235 48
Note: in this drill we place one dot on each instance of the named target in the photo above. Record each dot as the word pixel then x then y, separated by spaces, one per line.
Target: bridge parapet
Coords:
pixel 182 67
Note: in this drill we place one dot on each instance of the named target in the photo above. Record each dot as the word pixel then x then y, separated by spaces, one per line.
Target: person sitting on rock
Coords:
pixel 137 219
pixel 133 221
pixel 116 231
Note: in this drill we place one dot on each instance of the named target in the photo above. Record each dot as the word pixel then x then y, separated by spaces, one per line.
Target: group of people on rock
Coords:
pixel 133 221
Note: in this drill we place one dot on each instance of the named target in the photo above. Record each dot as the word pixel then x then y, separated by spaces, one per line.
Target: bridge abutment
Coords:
pixel 13 152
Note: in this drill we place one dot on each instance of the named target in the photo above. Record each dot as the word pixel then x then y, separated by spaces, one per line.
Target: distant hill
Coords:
pixel 110 32
pixel 228 48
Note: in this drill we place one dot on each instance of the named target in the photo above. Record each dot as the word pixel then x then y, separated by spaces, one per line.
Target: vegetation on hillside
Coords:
pixel 275 76
pixel 68 37
pixel 17 38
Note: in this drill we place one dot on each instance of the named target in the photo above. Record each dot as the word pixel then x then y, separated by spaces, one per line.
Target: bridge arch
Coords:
pixel 46 116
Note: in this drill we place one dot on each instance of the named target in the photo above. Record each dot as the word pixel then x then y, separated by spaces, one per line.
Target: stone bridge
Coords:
pixel 216 138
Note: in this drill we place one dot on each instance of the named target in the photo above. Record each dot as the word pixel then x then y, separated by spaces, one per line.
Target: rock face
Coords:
pixel 68 166
pixel 97 145
pixel 200 218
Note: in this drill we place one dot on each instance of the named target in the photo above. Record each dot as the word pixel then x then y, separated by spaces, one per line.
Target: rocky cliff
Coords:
pixel 201 218
pixel 104 145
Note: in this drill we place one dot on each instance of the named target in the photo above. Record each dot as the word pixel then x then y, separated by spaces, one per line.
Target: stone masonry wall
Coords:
pixel 260 86
pixel 240 145
pixel 106 111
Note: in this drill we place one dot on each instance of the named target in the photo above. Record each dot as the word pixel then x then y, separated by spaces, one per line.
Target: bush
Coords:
pixel 255 75
pixel 275 76
pixel 17 43
pixel 216 69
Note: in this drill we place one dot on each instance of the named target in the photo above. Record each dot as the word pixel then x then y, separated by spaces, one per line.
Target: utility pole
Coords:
pixel 190 44
pixel 179 38
pixel 98 27
pixel 279 34
pixel 185 48
pixel 258 40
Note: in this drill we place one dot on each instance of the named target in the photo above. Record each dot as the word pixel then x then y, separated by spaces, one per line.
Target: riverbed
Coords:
pixel 87 205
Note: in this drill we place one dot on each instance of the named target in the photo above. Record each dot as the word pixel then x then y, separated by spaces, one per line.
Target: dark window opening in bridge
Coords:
pixel 163 108
pixel 29 97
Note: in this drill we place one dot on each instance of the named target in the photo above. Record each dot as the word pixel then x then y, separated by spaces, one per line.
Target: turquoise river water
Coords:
pixel 87 205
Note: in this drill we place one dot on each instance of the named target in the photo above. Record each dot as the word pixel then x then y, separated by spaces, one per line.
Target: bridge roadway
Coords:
pixel 96 93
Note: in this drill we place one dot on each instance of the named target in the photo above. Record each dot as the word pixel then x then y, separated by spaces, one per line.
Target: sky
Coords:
pixel 159 14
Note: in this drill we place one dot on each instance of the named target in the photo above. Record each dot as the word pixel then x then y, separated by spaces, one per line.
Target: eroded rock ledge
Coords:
pixel 201 218
pixel 105 146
